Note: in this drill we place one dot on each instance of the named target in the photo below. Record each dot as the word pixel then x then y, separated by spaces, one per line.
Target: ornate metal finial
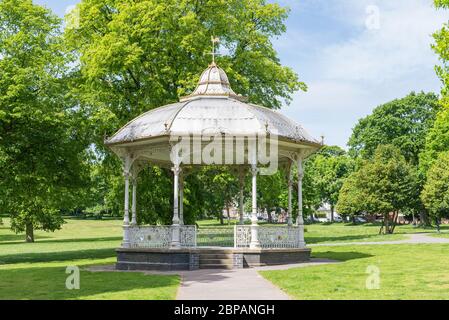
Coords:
pixel 322 139
pixel 213 53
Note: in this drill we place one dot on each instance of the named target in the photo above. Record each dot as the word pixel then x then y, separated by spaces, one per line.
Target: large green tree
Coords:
pixel 312 199
pixel 437 139
pixel 42 138
pixel 385 185
pixel 441 48
pixel 403 123
pixel 134 56
pixel 332 166
pixel 271 191
pixel 138 55
pixel 219 188
pixel 435 195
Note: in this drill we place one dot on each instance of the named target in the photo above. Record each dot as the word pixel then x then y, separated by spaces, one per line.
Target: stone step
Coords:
pixel 207 260
pixel 217 251
pixel 216 266
pixel 216 256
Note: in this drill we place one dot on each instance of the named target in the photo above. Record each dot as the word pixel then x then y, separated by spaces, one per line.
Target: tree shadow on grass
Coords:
pixel 66 240
pixel 50 283
pixel 361 237
pixel 16 238
pixel 57 256
pixel 340 256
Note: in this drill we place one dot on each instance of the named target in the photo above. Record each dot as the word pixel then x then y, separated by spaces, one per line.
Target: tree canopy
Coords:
pixel 332 169
pixel 383 185
pixel 435 195
pixel 403 123
pixel 437 139
pixel 43 144
pixel 441 48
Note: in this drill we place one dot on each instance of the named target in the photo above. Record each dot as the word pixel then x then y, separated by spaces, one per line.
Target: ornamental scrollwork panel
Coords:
pixel 188 236
pixel 160 236
pixel 279 237
pixel 150 236
pixel 242 236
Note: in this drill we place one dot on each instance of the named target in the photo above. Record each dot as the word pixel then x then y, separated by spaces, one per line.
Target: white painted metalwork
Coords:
pixel 241 193
pixel 150 236
pixel 279 237
pixel 290 186
pixel 134 203
pixel 181 198
pixel 126 173
pixel 176 228
pixel 254 222
pixel 160 236
pixel 242 236
pixel 282 237
pixel 213 82
pixel 211 114
pixel 300 219
pixel 188 236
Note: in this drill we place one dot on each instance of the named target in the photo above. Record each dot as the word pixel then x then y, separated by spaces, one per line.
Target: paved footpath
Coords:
pixel 240 284
pixel 220 284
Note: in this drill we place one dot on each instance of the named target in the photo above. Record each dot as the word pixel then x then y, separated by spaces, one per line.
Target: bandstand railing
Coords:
pixel 273 237
pixel 282 237
pixel 160 236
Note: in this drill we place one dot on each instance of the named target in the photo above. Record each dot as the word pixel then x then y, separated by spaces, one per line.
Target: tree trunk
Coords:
pixel 229 216
pixel 387 222
pixel 424 219
pixel 332 213
pixel 29 232
pixel 270 218
pixel 395 221
pixel 221 217
pixel 381 230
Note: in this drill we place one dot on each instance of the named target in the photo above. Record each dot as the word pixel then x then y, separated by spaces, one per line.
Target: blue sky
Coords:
pixel 353 54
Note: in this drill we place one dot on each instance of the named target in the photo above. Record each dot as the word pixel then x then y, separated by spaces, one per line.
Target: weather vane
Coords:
pixel 213 53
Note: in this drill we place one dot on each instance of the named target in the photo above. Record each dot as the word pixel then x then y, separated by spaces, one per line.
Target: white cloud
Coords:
pixel 350 75
pixel 399 48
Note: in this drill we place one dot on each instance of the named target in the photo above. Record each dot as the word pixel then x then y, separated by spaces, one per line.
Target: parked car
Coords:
pixel 360 220
pixel 338 219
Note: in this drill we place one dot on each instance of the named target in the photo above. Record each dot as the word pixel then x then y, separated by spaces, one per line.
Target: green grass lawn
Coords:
pixel 443 234
pixel 37 270
pixel 406 272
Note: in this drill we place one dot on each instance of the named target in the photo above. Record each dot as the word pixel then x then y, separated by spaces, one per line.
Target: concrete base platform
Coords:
pixel 206 258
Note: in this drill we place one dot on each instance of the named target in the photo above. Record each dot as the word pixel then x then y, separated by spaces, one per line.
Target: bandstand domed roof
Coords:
pixel 212 108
